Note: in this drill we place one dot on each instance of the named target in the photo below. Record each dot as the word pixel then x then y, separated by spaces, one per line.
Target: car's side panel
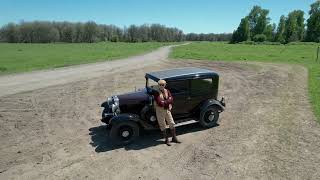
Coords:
pixel 200 91
pixel 125 117
pixel 181 94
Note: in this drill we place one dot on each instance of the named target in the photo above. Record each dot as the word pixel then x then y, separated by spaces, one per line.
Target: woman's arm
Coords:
pixel 158 100
pixel 170 98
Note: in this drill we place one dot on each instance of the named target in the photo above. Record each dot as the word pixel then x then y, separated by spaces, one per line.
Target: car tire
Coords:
pixel 124 133
pixel 209 117
pixel 151 117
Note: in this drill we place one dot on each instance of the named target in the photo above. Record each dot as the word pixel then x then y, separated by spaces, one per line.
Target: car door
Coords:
pixel 200 91
pixel 181 96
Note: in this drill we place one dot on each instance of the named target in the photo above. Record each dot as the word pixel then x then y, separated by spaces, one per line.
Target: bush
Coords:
pixel 114 39
pixel 259 38
pixel 268 43
pixel 303 43
pixel 259 43
pixel 247 42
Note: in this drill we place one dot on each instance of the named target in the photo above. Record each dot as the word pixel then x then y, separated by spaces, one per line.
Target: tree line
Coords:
pixel 256 26
pixel 208 37
pixel 49 32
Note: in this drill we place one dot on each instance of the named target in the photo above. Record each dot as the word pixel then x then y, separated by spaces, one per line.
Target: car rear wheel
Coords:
pixel 124 133
pixel 209 117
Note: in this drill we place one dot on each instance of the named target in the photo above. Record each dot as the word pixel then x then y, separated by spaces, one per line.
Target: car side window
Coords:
pixel 178 86
pixel 200 86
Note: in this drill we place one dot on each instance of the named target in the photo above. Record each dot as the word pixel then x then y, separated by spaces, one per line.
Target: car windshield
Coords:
pixel 152 85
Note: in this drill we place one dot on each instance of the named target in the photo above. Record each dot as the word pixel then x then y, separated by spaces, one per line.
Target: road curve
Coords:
pixel 12 84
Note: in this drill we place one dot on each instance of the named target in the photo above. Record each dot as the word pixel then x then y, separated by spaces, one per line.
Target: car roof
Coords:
pixel 181 74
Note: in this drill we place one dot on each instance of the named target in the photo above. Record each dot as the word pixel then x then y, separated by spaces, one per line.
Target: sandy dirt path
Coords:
pixel 12 84
pixel 268 130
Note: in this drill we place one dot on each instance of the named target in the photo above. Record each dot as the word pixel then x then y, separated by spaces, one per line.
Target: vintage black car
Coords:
pixel 194 92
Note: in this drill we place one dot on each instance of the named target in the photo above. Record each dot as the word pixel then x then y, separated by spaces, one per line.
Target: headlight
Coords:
pixel 109 100
pixel 114 104
pixel 114 108
pixel 116 100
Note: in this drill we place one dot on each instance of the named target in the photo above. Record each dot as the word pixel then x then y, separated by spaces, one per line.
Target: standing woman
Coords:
pixel 163 106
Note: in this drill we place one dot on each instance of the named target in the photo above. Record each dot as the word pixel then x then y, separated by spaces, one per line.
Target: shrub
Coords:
pixel 303 43
pixel 259 38
pixel 269 43
pixel 247 42
pixel 114 39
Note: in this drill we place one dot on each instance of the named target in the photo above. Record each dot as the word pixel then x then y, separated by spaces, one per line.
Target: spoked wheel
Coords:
pixel 151 118
pixel 124 133
pixel 209 117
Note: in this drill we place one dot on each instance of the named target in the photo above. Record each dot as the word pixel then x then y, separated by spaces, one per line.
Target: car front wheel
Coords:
pixel 124 133
pixel 209 117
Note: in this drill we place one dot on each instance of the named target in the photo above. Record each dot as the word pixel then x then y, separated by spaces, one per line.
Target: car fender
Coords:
pixel 125 117
pixel 213 102
pixel 105 104
pixel 144 110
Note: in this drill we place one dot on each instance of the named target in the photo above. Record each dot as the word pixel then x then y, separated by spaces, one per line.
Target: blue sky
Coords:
pixel 198 16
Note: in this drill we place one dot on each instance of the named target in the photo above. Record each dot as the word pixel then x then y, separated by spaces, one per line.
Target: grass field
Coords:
pixel 27 57
pixel 304 54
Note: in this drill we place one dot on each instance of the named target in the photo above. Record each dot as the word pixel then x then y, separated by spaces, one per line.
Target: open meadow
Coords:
pixel 19 57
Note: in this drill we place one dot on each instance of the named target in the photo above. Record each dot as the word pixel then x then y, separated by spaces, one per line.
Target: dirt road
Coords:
pixel 16 83
pixel 267 132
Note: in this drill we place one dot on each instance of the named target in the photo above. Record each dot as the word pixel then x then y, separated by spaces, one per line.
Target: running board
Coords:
pixel 147 126
pixel 185 123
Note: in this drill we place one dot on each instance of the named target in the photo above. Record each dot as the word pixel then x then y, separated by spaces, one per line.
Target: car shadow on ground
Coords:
pixel 100 139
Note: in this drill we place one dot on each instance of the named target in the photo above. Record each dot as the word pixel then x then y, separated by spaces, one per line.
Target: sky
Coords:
pixel 198 16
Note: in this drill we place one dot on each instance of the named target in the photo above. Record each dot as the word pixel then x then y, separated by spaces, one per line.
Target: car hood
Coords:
pixel 133 97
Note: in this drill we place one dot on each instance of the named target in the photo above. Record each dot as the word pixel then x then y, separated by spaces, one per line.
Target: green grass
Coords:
pixel 298 53
pixel 28 57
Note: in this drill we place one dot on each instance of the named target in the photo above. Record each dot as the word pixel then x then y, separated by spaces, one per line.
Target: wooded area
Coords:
pixel 47 32
pixel 256 26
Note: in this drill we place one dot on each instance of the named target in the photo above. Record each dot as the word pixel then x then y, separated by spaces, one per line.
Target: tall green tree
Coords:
pixel 257 23
pixel 90 31
pixel 281 29
pixel 300 24
pixel 269 32
pixel 294 26
pixel 313 23
pixel 67 32
pixel 10 33
pixel 258 20
pixel 243 31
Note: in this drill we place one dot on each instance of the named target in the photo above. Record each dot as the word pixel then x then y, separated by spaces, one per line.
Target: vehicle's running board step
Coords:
pixel 185 123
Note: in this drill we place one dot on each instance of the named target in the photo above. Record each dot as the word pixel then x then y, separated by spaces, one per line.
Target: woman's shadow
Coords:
pixel 101 141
